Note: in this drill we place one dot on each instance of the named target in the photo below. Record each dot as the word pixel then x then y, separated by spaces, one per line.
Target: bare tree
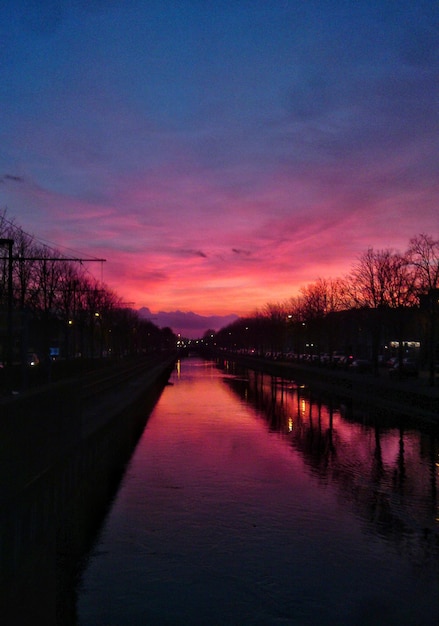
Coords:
pixel 319 302
pixel 326 295
pixel 368 279
pixel 383 280
pixel 423 255
pixel 276 315
pixel 24 269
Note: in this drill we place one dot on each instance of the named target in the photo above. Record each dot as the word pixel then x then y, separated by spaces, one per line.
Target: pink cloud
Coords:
pixel 181 237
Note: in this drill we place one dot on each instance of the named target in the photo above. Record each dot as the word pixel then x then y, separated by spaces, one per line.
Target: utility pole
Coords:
pixel 9 350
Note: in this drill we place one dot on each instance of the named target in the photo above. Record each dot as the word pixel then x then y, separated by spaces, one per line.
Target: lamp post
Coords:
pixel 9 243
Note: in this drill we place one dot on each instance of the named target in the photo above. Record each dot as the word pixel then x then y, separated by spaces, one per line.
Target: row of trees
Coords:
pixel 388 295
pixel 56 304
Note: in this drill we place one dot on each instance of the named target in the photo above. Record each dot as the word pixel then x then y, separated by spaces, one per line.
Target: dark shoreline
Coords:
pixel 414 398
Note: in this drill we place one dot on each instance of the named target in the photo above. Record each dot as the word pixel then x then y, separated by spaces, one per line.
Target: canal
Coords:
pixel 250 501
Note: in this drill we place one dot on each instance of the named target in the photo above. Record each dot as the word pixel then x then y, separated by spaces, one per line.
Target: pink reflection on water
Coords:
pixel 252 501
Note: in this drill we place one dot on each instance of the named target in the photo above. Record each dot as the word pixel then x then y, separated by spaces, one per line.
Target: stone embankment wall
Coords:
pixel 60 449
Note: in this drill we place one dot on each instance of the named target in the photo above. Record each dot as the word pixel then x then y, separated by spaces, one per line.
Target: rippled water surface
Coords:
pixel 249 502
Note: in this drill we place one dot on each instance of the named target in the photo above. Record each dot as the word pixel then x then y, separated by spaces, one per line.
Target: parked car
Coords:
pixel 338 358
pixel 345 362
pixel 391 362
pixel 408 368
pixel 361 365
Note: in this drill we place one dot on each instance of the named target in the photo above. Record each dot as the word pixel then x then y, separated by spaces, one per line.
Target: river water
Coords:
pixel 248 501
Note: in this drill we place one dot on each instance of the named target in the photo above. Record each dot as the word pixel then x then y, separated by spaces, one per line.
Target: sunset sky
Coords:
pixel 220 154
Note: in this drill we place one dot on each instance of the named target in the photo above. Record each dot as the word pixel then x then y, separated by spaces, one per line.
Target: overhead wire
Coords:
pixel 46 243
pixel 53 245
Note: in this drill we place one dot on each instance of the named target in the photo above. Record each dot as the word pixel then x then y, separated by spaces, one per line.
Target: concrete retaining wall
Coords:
pixel 60 454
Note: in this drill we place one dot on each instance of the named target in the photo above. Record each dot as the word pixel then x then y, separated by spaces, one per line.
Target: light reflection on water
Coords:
pixel 247 503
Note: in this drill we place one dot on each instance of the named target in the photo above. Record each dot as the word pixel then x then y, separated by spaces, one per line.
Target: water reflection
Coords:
pixel 251 501
pixel 390 474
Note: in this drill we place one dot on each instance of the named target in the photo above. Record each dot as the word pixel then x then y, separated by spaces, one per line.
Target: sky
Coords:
pixel 220 155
